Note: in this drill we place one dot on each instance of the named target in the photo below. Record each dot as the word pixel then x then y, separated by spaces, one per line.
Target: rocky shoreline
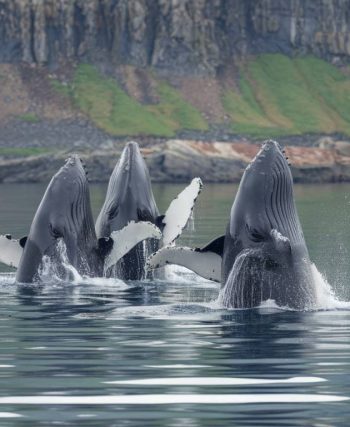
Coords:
pixel 180 160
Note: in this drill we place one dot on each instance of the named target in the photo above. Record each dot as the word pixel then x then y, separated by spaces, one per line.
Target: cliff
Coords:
pixel 174 36
pixel 88 74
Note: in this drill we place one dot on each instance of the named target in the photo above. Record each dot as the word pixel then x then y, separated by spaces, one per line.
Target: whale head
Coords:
pixel 129 195
pixel 265 199
pixel 266 256
pixel 63 214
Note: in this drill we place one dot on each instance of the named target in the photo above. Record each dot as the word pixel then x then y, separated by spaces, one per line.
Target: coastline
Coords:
pixel 179 160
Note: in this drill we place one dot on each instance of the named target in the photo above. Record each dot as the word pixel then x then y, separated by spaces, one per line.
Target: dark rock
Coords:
pixel 176 36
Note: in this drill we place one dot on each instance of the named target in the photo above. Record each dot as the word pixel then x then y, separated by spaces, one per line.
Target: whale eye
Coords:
pixel 113 212
pixel 54 232
pixel 254 234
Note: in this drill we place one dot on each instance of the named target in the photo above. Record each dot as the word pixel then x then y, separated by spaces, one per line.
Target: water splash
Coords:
pixel 146 253
pixel 58 270
pixel 7 279
pixel 232 294
pixel 325 295
pixel 240 284
pixel 190 226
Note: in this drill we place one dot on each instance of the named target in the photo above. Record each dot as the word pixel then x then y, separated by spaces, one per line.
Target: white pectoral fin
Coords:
pixel 179 211
pixel 128 237
pixel 10 251
pixel 205 264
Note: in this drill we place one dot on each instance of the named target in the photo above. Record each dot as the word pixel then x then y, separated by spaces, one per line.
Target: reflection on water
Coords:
pixel 101 352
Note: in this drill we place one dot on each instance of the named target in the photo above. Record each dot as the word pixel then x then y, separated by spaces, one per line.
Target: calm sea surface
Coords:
pixel 107 353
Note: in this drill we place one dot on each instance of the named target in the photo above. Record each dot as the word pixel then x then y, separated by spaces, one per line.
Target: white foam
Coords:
pixel 7 278
pixel 87 415
pixel 165 311
pixel 172 399
pixel 216 381
pixel 270 306
pixel 102 282
pixel 325 298
pixel 183 276
pixel 9 415
pixel 177 366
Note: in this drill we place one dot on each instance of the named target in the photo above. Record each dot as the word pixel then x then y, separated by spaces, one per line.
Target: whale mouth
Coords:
pixel 270 152
pixel 130 176
pixel 73 170
pixel 130 156
pixel 270 144
pixel 268 182
pixel 71 182
pixel 74 160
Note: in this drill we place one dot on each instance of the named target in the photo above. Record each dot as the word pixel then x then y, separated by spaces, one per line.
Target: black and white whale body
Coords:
pixel 130 198
pixel 64 214
pixel 263 254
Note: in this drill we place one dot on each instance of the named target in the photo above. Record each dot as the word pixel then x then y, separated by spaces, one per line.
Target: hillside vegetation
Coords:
pixel 277 95
pixel 113 110
pixel 273 95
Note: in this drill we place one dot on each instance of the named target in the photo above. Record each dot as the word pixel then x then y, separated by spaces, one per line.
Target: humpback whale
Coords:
pixel 130 197
pixel 263 254
pixel 64 214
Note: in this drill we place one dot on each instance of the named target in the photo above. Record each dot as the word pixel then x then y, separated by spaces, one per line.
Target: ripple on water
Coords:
pixel 169 344
pixel 172 399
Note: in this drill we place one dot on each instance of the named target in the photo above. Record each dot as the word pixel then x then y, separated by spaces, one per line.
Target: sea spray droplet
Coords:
pixel 191 224
pixel 325 296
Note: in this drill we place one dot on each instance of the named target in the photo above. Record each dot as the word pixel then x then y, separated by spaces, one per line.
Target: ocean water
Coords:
pixel 101 352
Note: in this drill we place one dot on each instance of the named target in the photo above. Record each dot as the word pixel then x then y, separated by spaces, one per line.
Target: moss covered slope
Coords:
pixel 274 95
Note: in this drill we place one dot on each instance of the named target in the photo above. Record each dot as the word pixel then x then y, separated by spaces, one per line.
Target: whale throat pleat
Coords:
pixel 280 207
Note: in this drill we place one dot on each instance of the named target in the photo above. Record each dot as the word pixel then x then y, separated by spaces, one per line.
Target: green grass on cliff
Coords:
pixel 114 111
pixel 282 96
pixel 274 95
pixel 24 151
pixel 175 111
pixel 29 117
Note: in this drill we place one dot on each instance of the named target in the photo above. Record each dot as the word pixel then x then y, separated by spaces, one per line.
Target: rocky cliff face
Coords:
pixel 176 36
